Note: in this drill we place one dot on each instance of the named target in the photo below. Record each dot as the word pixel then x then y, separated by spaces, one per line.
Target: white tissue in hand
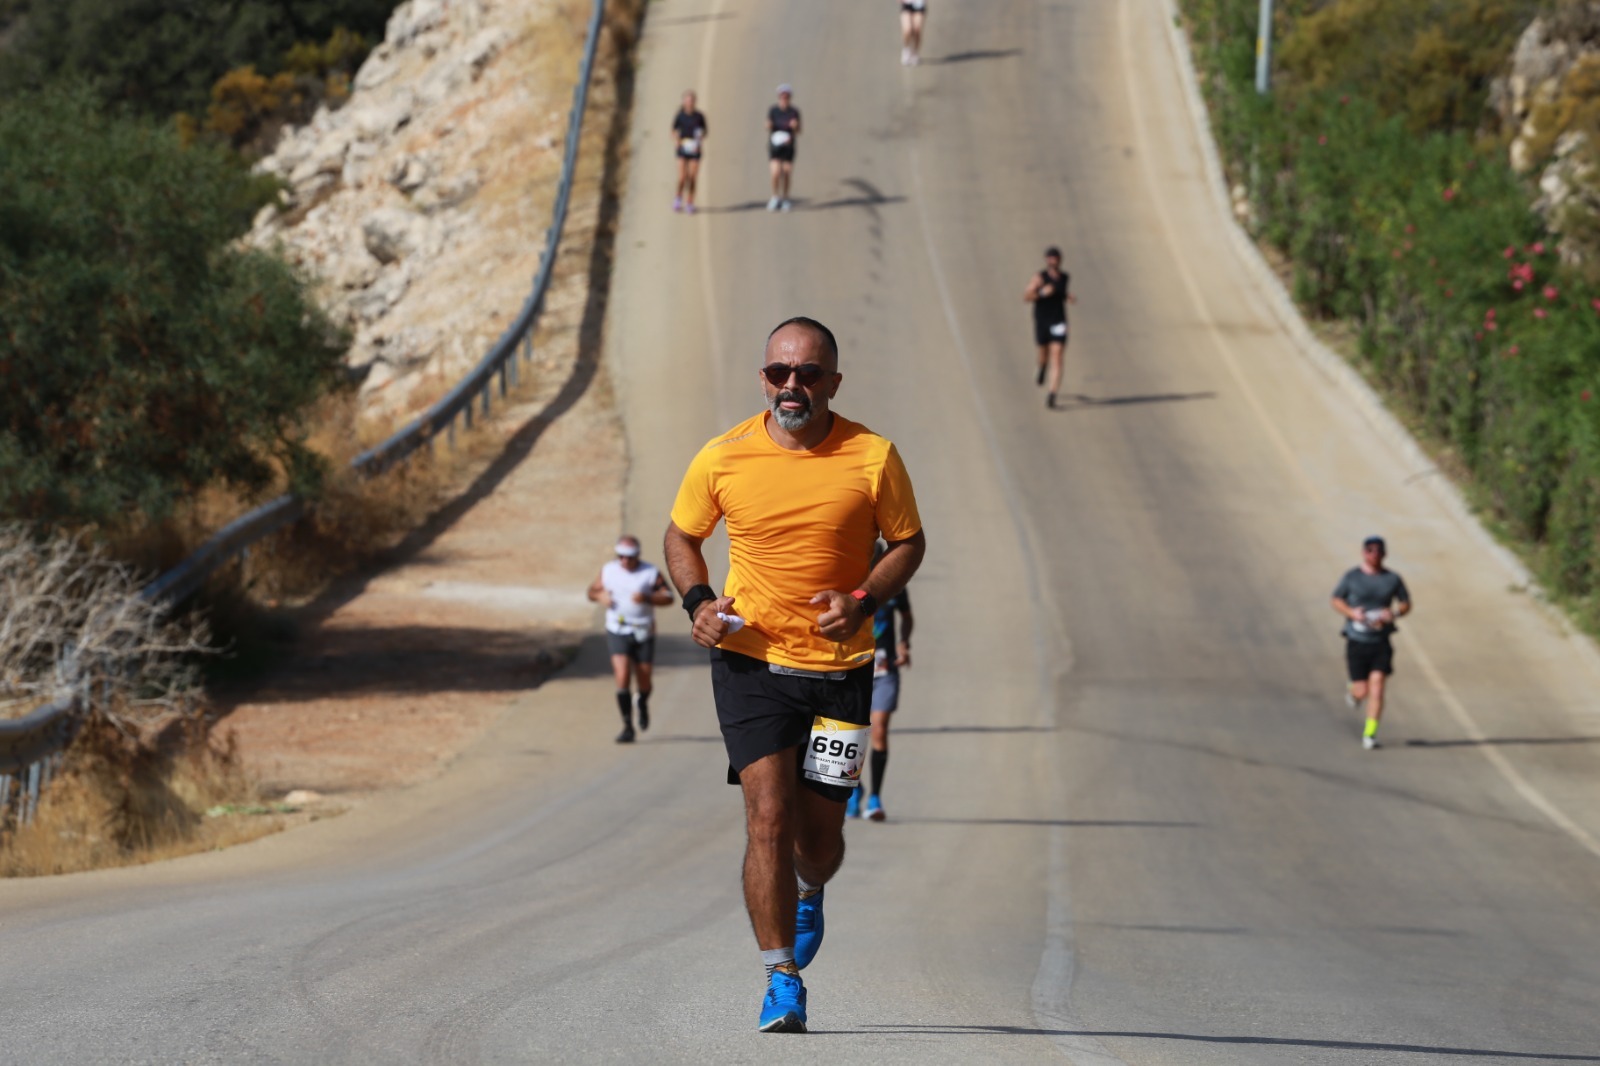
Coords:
pixel 735 623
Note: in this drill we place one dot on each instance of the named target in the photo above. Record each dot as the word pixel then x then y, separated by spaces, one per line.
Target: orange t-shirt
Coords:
pixel 799 523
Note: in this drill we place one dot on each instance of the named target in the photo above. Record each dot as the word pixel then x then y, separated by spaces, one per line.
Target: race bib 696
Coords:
pixel 835 752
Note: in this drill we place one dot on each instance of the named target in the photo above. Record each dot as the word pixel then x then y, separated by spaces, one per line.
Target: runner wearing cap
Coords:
pixel 1370 597
pixel 631 590
pixel 783 130
pixel 804 493
pixel 913 14
pixel 689 129
pixel 1048 292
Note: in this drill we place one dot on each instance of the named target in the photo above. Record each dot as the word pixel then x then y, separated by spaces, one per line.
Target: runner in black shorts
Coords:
pixel 913 14
pixel 891 654
pixel 1048 292
pixel 689 129
pixel 783 131
pixel 1370 597
pixel 805 493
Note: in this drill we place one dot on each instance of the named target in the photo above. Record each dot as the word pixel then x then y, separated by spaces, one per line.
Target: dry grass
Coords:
pixel 121 803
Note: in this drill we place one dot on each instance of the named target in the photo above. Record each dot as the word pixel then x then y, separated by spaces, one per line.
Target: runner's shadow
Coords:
pixel 1069 823
pixel 976 54
pixel 930 1029
pixel 900 732
pixel 1082 401
pixel 1465 742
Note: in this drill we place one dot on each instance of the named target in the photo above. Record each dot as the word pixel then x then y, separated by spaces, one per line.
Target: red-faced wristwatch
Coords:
pixel 866 601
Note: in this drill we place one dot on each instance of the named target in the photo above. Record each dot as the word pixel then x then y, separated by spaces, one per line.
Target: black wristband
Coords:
pixel 695 597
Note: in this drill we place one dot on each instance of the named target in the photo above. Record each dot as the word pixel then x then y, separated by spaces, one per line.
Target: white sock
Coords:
pixel 807 889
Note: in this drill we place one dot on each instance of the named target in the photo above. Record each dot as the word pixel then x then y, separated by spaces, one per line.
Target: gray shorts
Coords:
pixel 639 649
pixel 886 691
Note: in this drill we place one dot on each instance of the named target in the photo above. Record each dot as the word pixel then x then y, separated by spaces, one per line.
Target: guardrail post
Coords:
pixel 30 802
pixel 5 796
pixel 503 374
pixel 486 391
pixel 466 414
pixel 450 432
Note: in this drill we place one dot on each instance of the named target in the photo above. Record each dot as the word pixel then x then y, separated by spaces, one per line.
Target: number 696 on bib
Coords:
pixel 835 752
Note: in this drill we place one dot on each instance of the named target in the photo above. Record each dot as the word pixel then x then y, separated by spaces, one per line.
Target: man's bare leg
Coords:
pixel 770 893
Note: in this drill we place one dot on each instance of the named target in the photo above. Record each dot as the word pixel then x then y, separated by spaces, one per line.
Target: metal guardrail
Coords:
pixel 30 746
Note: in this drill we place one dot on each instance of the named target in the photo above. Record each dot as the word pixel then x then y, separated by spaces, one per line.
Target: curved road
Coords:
pixel 1130 820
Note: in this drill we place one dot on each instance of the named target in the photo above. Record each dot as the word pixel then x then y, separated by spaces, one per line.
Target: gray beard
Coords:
pixel 791 420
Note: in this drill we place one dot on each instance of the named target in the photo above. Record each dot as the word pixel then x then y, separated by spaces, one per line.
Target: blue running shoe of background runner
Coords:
pixel 784 1008
pixel 808 929
pixel 852 807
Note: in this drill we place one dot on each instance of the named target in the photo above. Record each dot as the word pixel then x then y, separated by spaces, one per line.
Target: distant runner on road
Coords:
pixel 690 129
pixel 1370 598
pixel 631 590
pixel 1048 292
pixel 913 14
pixel 889 657
pixel 783 131
pixel 805 493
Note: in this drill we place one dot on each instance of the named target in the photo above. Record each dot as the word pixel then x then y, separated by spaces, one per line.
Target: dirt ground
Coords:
pixel 394 671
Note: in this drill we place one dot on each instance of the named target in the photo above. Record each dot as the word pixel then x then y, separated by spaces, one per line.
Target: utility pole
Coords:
pixel 1264 50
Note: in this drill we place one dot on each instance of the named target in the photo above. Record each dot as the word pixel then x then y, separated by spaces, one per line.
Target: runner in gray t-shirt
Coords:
pixel 1370 598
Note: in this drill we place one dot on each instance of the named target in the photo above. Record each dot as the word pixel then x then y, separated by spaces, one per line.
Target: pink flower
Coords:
pixel 1490 313
pixel 1510 251
pixel 1490 325
pixel 1449 293
pixel 1478 335
pixel 1322 138
pixel 1397 253
pixel 1515 350
pixel 1344 99
pixel 1411 227
pixel 1449 194
pixel 1595 304
pixel 1538 247
pixel 1517 284
pixel 1539 312
pixel 1550 292
pixel 1584 395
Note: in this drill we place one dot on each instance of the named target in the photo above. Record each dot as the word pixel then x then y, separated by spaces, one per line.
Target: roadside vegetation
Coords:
pixel 1376 172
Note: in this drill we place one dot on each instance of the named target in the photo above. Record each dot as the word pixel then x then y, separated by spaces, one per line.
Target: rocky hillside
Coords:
pixel 421 203
pixel 1549 101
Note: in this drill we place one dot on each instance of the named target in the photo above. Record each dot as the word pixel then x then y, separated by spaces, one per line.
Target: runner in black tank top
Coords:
pixel 1050 291
pixel 689 132
pixel 783 131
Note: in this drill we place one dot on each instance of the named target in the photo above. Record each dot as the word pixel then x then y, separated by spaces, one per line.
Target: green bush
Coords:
pixel 162 57
pixel 1427 244
pixel 145 355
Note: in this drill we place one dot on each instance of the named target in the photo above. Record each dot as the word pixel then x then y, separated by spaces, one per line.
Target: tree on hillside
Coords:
pixel 161 57
pixel 144 355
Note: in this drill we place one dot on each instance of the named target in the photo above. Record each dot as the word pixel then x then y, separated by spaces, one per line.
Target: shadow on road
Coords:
pixel 690 20
pixel 867 195
pixel 899 732
pixel 974 55
pixel 1466 742
pixel 1071 823
pixel 929 1029
pixel 1079 400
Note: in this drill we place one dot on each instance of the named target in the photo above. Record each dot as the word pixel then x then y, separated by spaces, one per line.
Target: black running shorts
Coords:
pixel 1042 334
pixel 783 153
pixel 762 712
pixel 639 649
pixel 1368 657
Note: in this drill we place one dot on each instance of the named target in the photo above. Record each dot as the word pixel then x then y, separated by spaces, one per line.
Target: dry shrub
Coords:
pixel 120 801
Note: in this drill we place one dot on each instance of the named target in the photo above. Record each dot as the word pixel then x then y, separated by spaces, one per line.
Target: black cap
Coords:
pixel 1374 539
pixel 1052 252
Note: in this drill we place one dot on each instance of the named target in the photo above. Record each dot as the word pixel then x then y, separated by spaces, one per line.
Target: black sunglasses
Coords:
pixel 807 374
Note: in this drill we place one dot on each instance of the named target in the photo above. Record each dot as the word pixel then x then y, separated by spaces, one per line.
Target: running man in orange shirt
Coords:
pixel 805 492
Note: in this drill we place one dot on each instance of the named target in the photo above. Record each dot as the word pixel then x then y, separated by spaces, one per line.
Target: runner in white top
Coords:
pixel 631 590
pixel 913 14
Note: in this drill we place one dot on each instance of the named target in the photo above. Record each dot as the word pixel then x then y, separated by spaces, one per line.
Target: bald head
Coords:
pixel 802 336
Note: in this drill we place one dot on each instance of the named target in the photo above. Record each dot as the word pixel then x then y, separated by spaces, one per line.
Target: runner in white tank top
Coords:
pixel 631 590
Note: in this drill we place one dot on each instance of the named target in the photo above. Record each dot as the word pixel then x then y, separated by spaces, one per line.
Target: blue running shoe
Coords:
pixel 852 807
pixel 875 809
pixel 784 1008
pixel 808 929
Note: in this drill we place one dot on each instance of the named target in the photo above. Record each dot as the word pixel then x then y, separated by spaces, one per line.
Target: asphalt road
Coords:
pixel 1130 820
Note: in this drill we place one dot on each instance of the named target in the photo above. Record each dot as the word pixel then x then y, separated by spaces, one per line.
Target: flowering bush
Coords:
pixel 1427 244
